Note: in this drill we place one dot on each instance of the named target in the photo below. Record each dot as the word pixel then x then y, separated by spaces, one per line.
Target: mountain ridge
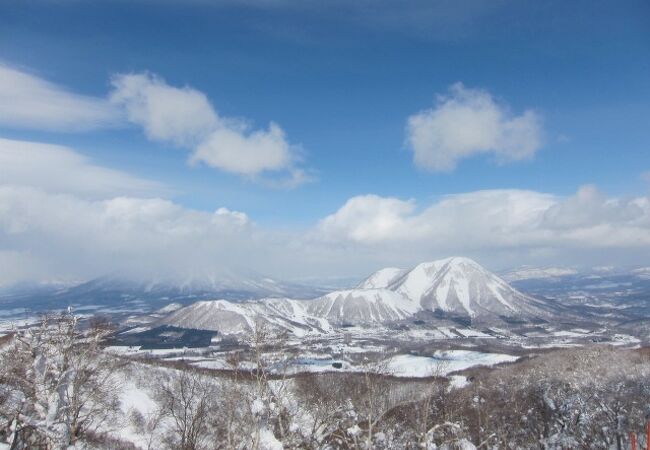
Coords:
pixel 455 285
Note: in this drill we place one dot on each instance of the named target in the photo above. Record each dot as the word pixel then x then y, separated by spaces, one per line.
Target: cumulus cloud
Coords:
pixel 232 150
pixel 467 122
pixel 185 117
pixel 492 222
pixel 55 168
pixel 370 219
pixel 28 101
pixel 469 220
pixel 590 208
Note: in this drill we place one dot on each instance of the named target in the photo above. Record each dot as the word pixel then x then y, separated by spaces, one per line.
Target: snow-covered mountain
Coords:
pixel 230 285
pixel 356 306
pixel 234 318
pixel 461 286
pixel 120 290
pixel 362 306
pixel 382 278
pixel 458 286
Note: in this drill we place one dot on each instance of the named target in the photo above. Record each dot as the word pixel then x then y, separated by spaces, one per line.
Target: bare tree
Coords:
pixel 435 392
pixel 233 422
pixel 265 403
pixel 186 398
pixel 323 402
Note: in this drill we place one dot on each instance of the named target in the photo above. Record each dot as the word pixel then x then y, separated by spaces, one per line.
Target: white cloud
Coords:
pixel 370 219
pixel 491 222
pixel 235 151
pixel 185 117
pixel 59 169
pixel 47 235
pixel 470 220
pixel 467 122
pixel 27 101
pixel 63 217
pixel 590 208
pixel 74 238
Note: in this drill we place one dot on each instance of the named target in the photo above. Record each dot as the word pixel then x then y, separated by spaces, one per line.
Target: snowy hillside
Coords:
pixel 362 306
pixel 233 318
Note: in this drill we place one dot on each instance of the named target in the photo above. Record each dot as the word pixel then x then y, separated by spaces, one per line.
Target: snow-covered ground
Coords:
pixel 136 330
pixel 442 363
pixel 135 398
pixel 13 323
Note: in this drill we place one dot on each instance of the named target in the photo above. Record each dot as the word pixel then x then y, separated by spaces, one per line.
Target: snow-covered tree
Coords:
pixel 58 384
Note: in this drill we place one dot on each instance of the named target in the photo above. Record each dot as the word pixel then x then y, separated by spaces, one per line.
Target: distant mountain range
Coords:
pixel 453 287
pixel 122 292
pixel 456 286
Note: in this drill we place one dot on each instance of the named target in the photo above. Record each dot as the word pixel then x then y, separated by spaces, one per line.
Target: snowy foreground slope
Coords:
pixel 457 286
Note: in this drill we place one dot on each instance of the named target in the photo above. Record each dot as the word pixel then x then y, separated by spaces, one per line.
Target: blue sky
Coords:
pixel 341 81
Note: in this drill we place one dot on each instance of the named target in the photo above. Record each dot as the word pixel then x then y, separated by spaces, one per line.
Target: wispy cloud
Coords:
pixel 467 122
pixel 28 101
pixel 440 20
pixel 62 170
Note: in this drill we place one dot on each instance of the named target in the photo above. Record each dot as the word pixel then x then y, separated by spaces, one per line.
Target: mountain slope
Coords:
pixel 461 286
pixel 235 318
pixel 362 306
pixel 382 278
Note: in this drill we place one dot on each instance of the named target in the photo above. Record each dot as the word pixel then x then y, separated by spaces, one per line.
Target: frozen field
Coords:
pixel 442 363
